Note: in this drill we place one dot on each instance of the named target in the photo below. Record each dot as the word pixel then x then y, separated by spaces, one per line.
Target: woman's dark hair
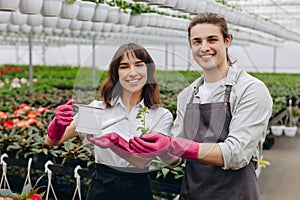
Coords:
pixel 112 88
pixel 212 18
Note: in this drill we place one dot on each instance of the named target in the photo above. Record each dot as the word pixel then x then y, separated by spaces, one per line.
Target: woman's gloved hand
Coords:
pixel 159 145
pixel 62 119
pixel 113 141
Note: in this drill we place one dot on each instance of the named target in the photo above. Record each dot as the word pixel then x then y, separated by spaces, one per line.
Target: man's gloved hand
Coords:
pixel 113 141
pixel 62 119
pixel 162 145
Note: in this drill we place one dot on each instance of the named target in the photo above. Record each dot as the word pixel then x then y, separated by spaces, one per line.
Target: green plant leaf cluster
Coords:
pixel 141 114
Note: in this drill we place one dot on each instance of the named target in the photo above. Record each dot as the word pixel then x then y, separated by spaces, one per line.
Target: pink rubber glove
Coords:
pixel 162 145
pixel 62 119
pixel 113 141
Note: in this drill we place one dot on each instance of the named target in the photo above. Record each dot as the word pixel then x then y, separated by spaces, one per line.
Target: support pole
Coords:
pixel 166 57
pixel 274 58
pixel 30 63
pixel 94 61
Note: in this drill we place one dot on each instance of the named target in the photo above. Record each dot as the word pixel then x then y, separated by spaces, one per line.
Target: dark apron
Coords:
pixel 210 123
pixel 114 184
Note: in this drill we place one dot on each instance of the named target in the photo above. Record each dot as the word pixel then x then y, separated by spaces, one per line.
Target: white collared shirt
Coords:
pixel 158 120
pixel 251 108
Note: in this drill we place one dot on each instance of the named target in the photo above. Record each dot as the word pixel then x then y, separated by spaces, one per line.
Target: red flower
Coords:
pixel 9 124
pixel 31 115
pixel 35 197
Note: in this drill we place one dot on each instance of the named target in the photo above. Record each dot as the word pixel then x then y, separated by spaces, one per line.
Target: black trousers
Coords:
pixel 114 184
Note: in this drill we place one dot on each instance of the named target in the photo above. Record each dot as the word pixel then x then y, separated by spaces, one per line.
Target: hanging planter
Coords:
pixel 25 28
pixel 13 28
pixel 35 20
pixel 51 7
pixel 107 27
pixel 86 10
pixel 3 27
pixel 69 10
pixel 192 6
pixel 97 26
pixel 113 14
pixel 135 20
pixel 125 16
pixel 170 3
pixel 75 24
pixel 30 6
pixel 18 18
pixel 63 23
pixel 9 5
pixel 182 5
pixel 37 30
pixel 145 19
pixel 87 25
pixel 4 16
pixel 50 21
pixel 47 30
pixel 116 28
pixel 101 13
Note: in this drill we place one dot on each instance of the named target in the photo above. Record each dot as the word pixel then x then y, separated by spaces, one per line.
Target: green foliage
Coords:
pixel 141 114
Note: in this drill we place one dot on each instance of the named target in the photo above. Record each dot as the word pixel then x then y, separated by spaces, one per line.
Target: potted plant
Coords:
pixel 277 129
pixel 291 128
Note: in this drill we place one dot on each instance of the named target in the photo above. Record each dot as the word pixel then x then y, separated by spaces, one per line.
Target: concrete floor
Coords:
pixel 281 180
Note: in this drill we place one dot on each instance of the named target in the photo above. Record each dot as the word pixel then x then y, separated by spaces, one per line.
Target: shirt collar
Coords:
pixel 118 101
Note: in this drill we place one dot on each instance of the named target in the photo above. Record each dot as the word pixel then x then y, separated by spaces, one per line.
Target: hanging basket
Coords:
pixel 30 6
pixel 86 10
pixel 18 18
pixel 125 16
pixel 51 7
pixel 9 5
pixel 113 15
pixel 4 16
pixel 86 25
pixel 101 13
pixel 35 20
pixel 49 22
pixel 63 23
pixel 75 24
pixel 69 10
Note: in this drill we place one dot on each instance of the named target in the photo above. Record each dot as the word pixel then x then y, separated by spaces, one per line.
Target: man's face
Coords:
pixel 208 46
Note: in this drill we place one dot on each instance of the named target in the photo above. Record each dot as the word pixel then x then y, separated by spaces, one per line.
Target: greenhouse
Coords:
pixel 85 84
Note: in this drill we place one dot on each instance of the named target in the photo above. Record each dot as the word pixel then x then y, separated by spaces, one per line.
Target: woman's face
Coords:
pixel 208 46
pixel 132 73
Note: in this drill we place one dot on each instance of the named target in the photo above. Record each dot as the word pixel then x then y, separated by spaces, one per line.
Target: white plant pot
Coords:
pixel 101 13
pixel 69 10
pixel 170 3
pixel 51 7
pixel 181 5
pixel 277 130
pixel 63 23
pixel 13 28
pixel 87 25
pixel 37 30
pixel 25 28
pixel 47 30
pixel 107 27
pixel 3 27
pixel 18 18
pixel 113 15
pixel 50 22
pixel 116 28
pixel 35 20
pixel 290 131
pixel 30 6
pixel 75 24
pixel 9 5
pixel 145 20
pixel 125 16
pixel 97 26
pixel 90 120
pixel 4 16
pixel 192 6
pixel 86 10
pixel 135 20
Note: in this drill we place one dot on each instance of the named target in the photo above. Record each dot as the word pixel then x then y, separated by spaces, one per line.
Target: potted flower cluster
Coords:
pixel 28 192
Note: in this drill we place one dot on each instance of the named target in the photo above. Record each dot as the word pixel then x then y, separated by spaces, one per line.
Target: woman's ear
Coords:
pixel 228 40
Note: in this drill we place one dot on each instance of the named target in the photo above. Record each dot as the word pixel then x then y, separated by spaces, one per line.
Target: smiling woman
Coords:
pixel 130 85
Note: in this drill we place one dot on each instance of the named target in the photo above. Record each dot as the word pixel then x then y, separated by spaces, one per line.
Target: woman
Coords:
pixel 222 120
pixel 131 84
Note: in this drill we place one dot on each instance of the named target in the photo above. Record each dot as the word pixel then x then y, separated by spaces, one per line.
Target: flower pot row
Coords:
pixel 280 130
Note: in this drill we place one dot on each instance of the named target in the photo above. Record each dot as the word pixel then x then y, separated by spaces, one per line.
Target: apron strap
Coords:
pixel 227 94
